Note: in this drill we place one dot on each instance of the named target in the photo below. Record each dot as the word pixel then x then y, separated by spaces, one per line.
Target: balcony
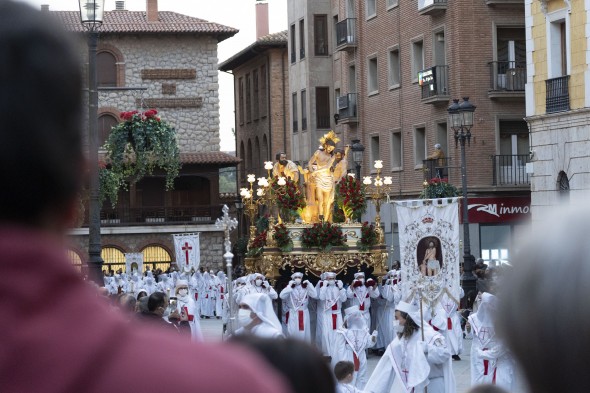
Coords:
pixel 558 95
pixel 510 170
pixel 507 79
pixel 434 83
pixel 438 167
pixel 347 109
pixel 346 34
pixel 126 216
pixel 432 7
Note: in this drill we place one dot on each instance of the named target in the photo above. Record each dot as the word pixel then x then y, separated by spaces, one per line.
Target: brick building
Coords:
pixel 395 66
pixel 167 61
pixel 558 102
pixel 261 86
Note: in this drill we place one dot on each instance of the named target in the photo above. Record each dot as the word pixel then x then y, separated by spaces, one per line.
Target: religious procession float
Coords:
pixel 315 226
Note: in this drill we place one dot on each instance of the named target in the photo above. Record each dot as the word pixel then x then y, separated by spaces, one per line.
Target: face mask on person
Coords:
pixel 297 281
pixel 362 280
pixel 244 318
pixel 397 327
pixel 258 282
pixel 331 282
pixel 183 292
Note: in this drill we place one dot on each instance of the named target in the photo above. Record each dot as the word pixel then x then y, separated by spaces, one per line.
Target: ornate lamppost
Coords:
pixel 378 189
pixel 357 155
pixel 461 120
pixel 228 224
pixel 91 16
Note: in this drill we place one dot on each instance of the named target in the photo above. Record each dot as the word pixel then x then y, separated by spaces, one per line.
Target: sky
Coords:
pixel 239 14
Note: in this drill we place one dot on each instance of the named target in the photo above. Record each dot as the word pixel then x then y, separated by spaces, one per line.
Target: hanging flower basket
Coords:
pixel 135 148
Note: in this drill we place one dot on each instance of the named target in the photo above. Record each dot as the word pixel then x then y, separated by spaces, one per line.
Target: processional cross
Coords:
pixel 228 224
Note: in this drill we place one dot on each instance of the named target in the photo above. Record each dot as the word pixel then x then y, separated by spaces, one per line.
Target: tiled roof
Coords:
pixel 275 40
pixel 136 22
pixel 209 158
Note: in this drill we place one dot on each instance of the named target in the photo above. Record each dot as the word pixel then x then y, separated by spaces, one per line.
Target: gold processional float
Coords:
pixel 302 231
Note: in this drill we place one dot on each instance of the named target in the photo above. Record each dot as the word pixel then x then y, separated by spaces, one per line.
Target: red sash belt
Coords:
pixel 190 317
pixel 449 324
pixel 334 319
pixel 301 320
pixel 362 306
pixel 357 363
pixel 335 306
pixel 196 296
pixel 434 327
pixel 486 364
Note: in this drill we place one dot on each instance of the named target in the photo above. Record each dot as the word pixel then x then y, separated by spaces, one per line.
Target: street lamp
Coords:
pixel 357 155
pixel 461 120
pixel 91 14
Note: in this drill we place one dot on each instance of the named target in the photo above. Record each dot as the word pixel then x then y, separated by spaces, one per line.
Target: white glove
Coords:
pixel 340 284
pixel 375 333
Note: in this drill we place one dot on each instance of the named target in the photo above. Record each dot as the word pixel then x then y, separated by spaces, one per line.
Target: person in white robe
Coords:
pixel 259 284
pixel 150 285
pixel 135 284
pixel 454 334
pixel 491 361
pixel 360 293
pixel 257 317
pixel 351 343
pixel 392 294
pixel 412 363
pixel 110 283
pixel 317 321
pixel 187 308
pixel 195 286
pixel 165 284
pixel 331 295
pixel 208 300
pixel 296 295
pixel 121 282
pixel 221 294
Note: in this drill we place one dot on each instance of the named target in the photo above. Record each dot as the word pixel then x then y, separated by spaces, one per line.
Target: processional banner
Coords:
pixel 429 249
pixel 187 250
pixel 134 262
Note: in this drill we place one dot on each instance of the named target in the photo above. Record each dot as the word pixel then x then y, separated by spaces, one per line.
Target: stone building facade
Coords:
pixel 558 102
pixel 167 61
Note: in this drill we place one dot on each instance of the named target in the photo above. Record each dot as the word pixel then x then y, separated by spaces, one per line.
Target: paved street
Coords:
pixel 212 332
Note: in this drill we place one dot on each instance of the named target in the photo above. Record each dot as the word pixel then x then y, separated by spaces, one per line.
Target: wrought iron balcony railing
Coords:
pixel 507 75
pixel 510 169
pixel 558 95
pixel 434 83
pixel 125 216
pixel 346 34
pixel 347 107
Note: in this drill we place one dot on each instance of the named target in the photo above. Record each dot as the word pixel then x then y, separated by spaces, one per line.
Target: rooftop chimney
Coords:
pixel 261 20
pixel 152 10
pixel 44 7
pixel 120 5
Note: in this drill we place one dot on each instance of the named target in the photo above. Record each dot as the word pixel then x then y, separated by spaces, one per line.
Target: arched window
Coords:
pixel 113 258
pixel 563 184
pixel 249 167
pixel 156 257
pixel 106 69
pixel 106 121
pixel 242 164
pixel 257 162
pixel 75 259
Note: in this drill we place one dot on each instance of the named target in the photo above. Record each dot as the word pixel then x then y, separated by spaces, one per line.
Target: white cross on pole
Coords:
pixel 228 224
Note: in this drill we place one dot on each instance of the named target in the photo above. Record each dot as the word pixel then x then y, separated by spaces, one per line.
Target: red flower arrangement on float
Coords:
pixel 350 197
pixel 323 235
pixel 289 198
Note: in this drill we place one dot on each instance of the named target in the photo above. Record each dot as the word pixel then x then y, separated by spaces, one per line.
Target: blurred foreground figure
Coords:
pixel 57 334
pixel 543 314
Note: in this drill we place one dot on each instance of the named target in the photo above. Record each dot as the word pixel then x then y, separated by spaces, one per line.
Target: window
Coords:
pixel 417 59
pixel 75 259
pixel 106 69
pixel 105 123
pixel 352 79
pixel 371 7
pixel 394 68
pixel 391 3
pixel 263 92
pixel 303 110
pixel 113 258
pixel 441 137
pixel 372 77
pixel 157 257
pixel 241 100
pixel 295 113
pixel 322 107
pixel 396 149
pixel 293 47
pixel 419 146
pixel 438 47
pixel 320 35
pixel 375 154
pixel 256 99
pixel 248 99
pixel 557 52
pixel 302 39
